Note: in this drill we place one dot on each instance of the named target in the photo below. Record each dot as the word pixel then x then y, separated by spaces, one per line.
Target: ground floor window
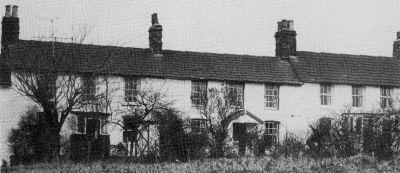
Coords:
pixel 272 131
pixel 90 123
pixel 198 125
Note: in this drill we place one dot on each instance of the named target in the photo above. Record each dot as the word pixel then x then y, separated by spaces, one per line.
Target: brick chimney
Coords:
pixel 10 27
pixel 396 47
pixel 155 35
pixel 285 39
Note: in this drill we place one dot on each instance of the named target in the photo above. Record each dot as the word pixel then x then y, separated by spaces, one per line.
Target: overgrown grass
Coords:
pixel 252 164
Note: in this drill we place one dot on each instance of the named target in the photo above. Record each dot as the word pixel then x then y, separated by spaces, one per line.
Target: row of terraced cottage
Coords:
pixel 282 93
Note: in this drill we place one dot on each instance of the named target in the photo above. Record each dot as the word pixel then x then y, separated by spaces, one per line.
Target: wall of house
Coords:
pixel 299 106
pixel 12 106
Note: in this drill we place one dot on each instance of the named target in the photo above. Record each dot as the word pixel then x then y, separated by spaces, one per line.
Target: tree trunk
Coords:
pixel 51 140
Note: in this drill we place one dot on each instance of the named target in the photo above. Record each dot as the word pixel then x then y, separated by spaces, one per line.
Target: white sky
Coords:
pixel 239 27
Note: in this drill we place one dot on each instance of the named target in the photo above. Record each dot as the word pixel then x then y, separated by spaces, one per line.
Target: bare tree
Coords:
pixel 47 78
pixel 219 107
pixel 138 114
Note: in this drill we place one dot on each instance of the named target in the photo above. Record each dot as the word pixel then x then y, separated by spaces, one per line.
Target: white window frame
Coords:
pixel 386 97
pixel 199 88
pixel 130 90
pixel 272 129
pixel 202 125
pixel 271 96
pixel 238 88
pixel 326 92
pixel 357 94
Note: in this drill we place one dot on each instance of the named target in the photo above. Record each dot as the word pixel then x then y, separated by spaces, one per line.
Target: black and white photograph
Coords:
pixel 199 86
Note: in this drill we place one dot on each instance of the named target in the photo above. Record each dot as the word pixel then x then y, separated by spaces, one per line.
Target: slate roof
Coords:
pixel 346 69
pixel 140 62
pixel 307 67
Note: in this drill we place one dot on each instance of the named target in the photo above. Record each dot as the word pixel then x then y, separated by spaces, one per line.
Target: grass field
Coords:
pixel 354 164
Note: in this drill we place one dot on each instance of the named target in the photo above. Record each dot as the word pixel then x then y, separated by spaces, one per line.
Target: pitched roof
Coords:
pixel 307 67
pixel 140 62
pixel 346 69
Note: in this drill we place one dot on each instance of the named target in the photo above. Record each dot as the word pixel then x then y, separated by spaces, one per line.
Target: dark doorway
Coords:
pixel 92 128
pixel 242 132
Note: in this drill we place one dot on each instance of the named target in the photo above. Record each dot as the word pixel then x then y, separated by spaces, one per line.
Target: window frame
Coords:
pixel 274 96
pixel 239 96
pixel 386 98
pixel 325 94
pixel 270 128
pixel 357 97
pixel 200 128
pixel 130 90
pixel 200 94
pixel 89 86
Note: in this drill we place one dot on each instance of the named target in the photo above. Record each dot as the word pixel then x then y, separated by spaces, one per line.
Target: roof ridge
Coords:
pixel 343 54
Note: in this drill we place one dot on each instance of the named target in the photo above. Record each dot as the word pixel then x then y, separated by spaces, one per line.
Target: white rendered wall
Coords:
pixel 299 106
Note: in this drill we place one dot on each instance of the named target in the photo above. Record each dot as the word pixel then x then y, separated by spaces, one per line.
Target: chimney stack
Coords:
pixel 10 27
pixel 285 39
pixel 155 36
pixel 396 47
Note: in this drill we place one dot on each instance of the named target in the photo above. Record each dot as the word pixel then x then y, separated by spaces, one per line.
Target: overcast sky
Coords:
pixel 365 27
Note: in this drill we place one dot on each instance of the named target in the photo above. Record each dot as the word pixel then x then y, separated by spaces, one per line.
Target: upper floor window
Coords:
pixel 386 97
pixel 271 96
pixel 198 125
pixel 326 94
pixel 357 95
pixel 199 92
pixel 131 89
pixel 48 84
pixel 235 91
pixel 89 88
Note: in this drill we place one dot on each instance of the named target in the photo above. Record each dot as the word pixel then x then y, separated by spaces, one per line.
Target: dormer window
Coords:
pixel 131 89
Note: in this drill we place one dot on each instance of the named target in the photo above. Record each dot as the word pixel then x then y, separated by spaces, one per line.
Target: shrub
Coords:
pixel 292 146
pixel 171 135
pixel 319 143
pixel 346 141
pixel 25 140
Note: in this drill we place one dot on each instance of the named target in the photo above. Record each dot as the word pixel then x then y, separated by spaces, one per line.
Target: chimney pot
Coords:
pixel 154 19
pixel 291 27
pixel 8 11
pixel 398 35
pixel 15 11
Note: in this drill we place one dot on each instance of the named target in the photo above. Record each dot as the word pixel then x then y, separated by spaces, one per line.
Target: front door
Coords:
pixel 92 128
pixel 242 134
